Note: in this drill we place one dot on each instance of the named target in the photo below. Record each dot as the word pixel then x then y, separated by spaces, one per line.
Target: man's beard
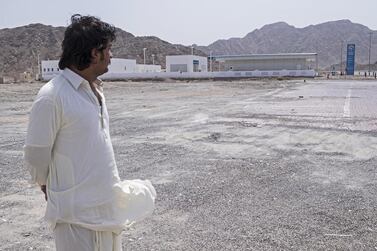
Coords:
pixel 102 59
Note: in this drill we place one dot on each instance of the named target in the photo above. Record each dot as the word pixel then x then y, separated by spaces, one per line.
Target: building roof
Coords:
pixel 264 56
pixel 184 56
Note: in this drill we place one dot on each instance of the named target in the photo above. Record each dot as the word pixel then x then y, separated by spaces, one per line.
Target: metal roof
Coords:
pixel 264 56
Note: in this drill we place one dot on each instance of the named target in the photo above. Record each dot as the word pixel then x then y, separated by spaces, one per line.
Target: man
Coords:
pixel 69 152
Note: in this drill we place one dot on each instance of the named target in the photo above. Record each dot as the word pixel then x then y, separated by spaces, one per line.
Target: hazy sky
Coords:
pixel 187 22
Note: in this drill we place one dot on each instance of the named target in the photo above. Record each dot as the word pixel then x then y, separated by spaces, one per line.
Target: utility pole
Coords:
pixel 153 59
pixel 370 46
pixel 316 58
pixel 316 62
pixel 39 66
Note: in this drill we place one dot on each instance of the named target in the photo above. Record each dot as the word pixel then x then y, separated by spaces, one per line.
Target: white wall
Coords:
pixel 53 65
pixel 121 65
pixel 187 61
pixel 203 64
pixel 214 75
pixel 118 66
pixel 147 68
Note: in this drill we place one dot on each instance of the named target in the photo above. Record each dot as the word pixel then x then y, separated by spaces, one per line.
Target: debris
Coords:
pixel 248 124
pixel 214 136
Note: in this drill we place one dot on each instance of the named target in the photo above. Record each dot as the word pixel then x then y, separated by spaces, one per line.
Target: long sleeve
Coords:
pixel 44 123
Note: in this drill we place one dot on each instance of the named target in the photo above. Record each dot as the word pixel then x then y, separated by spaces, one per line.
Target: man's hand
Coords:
pixel 43 188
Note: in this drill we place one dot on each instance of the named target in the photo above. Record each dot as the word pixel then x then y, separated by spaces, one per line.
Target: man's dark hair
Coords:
pixel 81 36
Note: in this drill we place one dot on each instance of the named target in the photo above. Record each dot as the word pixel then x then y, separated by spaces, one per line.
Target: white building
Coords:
pixel 186 63
pixel 49 69
pixel 117 67
pixel 268 62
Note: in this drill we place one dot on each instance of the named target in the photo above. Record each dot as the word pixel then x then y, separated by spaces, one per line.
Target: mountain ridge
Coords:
pixel 324 38
pixel 23 45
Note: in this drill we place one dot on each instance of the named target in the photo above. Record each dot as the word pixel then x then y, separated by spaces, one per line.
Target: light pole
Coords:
pixel 144 49
pixel 316 62
pixel 39 66
pixel 210 61
pixel 341 57
pixel 153 59
pixel 370 45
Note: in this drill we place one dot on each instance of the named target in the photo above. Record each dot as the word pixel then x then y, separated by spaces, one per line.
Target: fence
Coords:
pixel 203 75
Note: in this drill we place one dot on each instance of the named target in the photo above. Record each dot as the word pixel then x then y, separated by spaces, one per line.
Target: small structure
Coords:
pixel 26 76
pixel 268 62
pixel 186 63
pixel 49 69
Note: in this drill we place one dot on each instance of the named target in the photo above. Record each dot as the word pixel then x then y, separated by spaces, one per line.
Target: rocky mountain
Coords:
pixel 327 39
pixel 22 46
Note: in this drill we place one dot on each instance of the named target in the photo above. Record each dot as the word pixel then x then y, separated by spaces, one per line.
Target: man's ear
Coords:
pixel 95 56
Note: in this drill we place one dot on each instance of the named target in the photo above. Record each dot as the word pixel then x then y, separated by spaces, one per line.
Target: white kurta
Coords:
pixel 68 147
pixel 70 237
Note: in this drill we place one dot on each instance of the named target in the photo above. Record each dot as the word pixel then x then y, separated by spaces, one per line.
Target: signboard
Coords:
pixel 350 59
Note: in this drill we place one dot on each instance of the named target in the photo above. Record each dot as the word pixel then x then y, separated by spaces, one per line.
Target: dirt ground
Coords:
pixel 237 165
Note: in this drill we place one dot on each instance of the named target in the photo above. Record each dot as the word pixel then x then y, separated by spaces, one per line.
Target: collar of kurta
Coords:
pixel 76 80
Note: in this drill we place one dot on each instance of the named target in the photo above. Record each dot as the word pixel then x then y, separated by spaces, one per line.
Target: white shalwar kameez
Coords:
pixel 68 147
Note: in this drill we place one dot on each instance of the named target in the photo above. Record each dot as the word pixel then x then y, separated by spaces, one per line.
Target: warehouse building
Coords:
pixel 268 62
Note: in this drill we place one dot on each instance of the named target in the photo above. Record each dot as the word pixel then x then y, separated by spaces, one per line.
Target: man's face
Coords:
pixel 105 59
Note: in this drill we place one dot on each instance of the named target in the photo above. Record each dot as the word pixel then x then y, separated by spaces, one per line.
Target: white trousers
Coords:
pixel 70 237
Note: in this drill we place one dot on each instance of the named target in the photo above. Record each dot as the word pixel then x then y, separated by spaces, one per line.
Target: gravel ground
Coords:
pixel 237 165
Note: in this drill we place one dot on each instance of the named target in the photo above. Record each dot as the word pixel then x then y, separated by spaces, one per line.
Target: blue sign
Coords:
pixel 350 59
